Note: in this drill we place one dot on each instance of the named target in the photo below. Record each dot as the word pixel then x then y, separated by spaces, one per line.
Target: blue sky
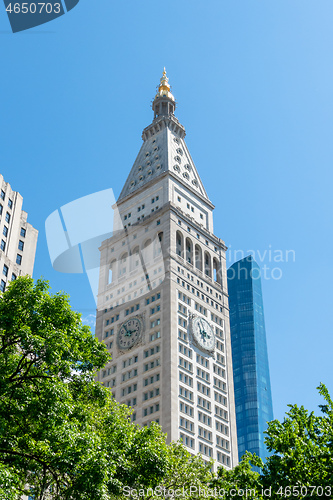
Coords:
pixel 253 80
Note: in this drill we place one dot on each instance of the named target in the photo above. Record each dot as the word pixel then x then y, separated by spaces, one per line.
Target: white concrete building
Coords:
pixel 163 304
pixel 18 239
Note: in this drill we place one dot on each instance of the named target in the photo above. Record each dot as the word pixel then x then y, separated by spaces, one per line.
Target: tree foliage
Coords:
pixel 301 452
pixel 60 431
pixel 240 482
pixel 63 435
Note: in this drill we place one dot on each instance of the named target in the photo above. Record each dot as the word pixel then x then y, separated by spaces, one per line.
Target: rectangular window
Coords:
pixel 23 232
pixel 1 207
pixel 13 277
pixel 5 270
pixel 10 203
pixel 3 245
pixel 7 218
pixel 21 245
pixel 5 230
pixel 3 194
pixel 18 259
pixel 2 286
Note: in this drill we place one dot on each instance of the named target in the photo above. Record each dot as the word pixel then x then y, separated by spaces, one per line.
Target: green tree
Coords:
pixel 187 475
pixel 302 453
pixel 240 482
pixel 300 464
pixel 61 431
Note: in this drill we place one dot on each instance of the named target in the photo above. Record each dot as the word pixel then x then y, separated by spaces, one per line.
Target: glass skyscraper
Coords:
pixel 253 398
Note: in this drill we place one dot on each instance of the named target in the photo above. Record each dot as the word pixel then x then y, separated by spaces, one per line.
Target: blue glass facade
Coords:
pixel 253 398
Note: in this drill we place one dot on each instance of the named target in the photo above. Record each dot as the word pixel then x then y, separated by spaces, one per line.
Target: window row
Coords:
pixel 184 408
pixel 205 419
pixel 224 429
pixel 185 350
pixel 185 393
pixel 186 379
pixel 222 458
pixel 182 309
pixel 184 298
pixel 157 296
pixel 151 394
pixel 182 322
pixel 199 283
pixel 205 450
pixel 132 309
pixel 204 403
pixel 204 389
pixel 203 374
pixel 130 361
pixel 151 380
pixel 223 443
pixel 154 336
pixel 154 310
pixel 129 389
pixel 203 361
pixel 10 201
pixel 151 409
pixel 187 440
pixel 199 307
pixel 109 371
pixel 152 364
pixel 112 320
pixel 131 402
pixel 130 374
pixel 219 371
pixel 186 424
pixel 185 364
pixel 204 433
pixel 153 350
pixel 219 384
pixel 110 383
pixel 219 398
pixel 182 335
pixel 220 412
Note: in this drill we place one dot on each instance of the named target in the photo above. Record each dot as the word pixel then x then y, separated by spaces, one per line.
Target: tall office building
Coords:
pixel 253 397
pixel 18 239
pixel 163 304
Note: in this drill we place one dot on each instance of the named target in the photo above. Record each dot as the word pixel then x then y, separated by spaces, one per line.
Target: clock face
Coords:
pixel 203 334
pixel 129 333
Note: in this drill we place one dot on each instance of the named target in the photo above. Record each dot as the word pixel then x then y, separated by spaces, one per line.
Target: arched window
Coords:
pixel 112 271
pixel 198 257
pixel 135 258
pixel 208 265
pixel 217 271
pixel 158 245
pixel 189 251
pixel 179 244
pixel 147 251
pixel 122 269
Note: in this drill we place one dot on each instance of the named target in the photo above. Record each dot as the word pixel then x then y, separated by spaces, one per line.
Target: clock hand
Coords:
pixel 128 333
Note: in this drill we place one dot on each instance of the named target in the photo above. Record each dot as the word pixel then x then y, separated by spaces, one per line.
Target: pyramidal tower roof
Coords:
pixel 164 149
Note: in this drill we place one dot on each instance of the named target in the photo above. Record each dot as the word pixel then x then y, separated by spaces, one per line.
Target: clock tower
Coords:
pixel 163 304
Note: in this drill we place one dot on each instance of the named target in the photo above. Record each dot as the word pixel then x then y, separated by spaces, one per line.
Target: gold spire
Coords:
pixel 164 87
